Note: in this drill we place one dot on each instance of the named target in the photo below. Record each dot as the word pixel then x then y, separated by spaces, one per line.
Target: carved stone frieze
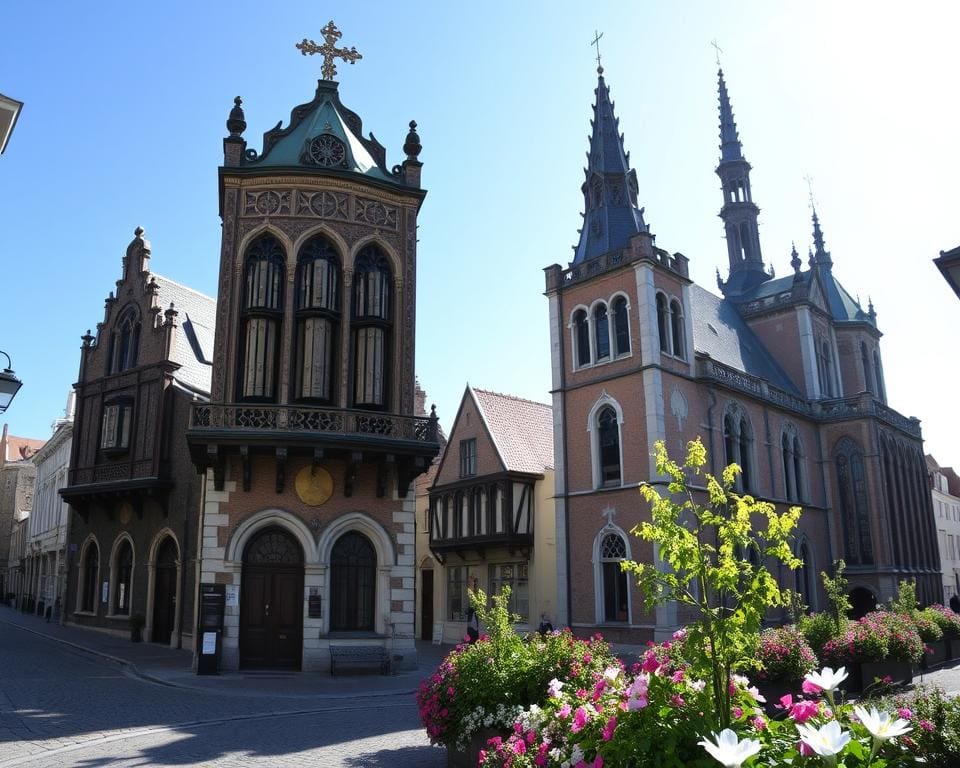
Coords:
pixel 374 212
pixel 323 204
pixel 270 202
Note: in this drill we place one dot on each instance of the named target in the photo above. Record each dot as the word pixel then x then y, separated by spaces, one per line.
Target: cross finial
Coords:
pixel 609 513
pixel 596 42
pixel 328 50
pixel 809 179
pixel 718 49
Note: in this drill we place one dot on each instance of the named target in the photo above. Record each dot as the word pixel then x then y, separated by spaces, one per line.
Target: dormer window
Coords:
pixel 372 328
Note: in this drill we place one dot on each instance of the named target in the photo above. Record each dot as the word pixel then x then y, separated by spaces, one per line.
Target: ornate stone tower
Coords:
pixel 310 442
pixel 739 212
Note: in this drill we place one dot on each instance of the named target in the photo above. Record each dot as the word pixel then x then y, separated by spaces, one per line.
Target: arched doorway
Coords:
pixel 271 601
pixel 862 602
pixel 165 591
pixel 353 580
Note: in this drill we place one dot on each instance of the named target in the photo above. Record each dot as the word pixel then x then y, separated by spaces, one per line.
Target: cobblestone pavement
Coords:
pixel 62 707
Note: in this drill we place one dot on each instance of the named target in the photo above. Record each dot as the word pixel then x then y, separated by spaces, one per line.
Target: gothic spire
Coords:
pixel 739 213
pixel 821 254
pixel 611 214
pixel 730 146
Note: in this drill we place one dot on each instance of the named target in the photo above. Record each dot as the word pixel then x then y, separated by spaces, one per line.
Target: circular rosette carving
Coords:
pixel 268 203
pixel 328 151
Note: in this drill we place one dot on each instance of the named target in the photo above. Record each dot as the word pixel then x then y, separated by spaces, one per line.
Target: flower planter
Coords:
pixel 899 671
pixel 469 757
pixel 937 657
pixel 953 647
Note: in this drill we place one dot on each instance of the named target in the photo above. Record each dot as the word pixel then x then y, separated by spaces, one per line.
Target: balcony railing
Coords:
pixel 339 422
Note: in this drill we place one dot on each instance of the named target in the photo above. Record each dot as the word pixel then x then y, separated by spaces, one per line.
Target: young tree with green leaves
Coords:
pixel 703 549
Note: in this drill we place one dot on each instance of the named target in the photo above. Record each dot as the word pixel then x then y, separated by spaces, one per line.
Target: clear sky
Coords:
pixel 124 114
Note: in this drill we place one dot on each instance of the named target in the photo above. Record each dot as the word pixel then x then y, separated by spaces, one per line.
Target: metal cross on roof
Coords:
pixel 809 179
pixel 328 50
pixel 596 42
pixel 717 48
pixel 609 513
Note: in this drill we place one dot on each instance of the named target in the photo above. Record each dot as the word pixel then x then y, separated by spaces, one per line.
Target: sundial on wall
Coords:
pixel 314 486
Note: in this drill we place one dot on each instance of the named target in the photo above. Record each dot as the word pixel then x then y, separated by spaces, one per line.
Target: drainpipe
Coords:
pixel 183 564
pixel 566 468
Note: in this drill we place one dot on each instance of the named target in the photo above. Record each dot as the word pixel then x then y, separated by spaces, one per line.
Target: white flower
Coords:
pixel 757 696
pixel 740 680
pixel 577 755
pixel 827 679
pixel 827 740
pixel 610 673
pixel 881 725
pixel 728 750
pixel 553 688
pixel 698 685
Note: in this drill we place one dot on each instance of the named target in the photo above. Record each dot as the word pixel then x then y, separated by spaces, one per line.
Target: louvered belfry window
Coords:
pixel 261 319
pixel 318 321
pixel 372 328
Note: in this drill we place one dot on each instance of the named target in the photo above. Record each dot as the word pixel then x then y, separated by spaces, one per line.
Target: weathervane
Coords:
pixel 717 48
pixel 596 42
pixel 809 179
pixel 328 50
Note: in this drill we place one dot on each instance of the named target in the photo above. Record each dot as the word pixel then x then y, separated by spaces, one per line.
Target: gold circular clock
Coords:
pixel 314 486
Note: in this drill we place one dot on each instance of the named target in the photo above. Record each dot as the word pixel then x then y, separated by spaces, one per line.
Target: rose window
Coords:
pixel 327 150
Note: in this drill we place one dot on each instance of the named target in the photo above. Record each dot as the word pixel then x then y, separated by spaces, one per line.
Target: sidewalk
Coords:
pixel 172 667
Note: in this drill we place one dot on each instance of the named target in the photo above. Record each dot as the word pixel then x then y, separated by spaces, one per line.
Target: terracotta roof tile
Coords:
pixel 521 429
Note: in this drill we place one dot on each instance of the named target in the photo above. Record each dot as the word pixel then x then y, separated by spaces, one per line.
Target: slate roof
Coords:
pixel 842 306
pixel 197 321
pixel 720 332
pixel 522 430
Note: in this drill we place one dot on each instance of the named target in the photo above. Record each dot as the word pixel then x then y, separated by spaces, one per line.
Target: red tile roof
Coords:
pixel 521 429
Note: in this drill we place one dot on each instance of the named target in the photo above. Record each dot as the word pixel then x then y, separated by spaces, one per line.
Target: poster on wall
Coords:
pixel 104 591
pixel 232 596
pixel 437 632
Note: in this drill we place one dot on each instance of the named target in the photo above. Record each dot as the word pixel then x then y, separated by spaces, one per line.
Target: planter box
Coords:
pixel 953 647
pixel 938 657
pixel 900 671
pixel 469 757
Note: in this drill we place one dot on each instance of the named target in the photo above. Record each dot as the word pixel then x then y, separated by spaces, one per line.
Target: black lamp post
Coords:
pixel 9 384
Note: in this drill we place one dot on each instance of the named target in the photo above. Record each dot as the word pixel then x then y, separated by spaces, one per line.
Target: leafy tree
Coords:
pixel 704 565
pixel 836 590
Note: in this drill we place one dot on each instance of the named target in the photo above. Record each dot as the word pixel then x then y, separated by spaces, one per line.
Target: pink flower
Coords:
pixel 564 711
pixel 759 723
pixel 926 725
pixel 677 700
pixel 677 676
pixel 811 689
pixel 737 712
pixel 905 713
pixel 519 747
pixel 609 728
pixel 805 750
pixel 531 737
pixel 785 702
pixel 598 762
pixel 802 711
pixel 580 719
pixel 650 663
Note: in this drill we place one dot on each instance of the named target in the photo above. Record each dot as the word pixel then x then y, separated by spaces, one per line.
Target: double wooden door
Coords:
pixel 271 603
pixel 165 592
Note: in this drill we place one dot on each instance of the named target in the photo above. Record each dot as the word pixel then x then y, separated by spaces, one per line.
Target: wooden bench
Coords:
pixel 359 656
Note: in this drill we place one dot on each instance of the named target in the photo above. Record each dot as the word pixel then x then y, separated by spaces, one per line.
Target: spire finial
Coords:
pixel 328 50
pixel 236 123
pixel 717 49
pixel 795 259
pixel 730 147
pixel 809 179
pixel 596 42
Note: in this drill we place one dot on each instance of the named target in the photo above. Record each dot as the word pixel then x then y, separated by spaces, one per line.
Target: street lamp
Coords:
pixel 9 384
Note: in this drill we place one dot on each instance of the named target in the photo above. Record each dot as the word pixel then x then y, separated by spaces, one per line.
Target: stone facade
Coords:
pixel 310 442
pixel 17 475
pixel 945 488
pixel 782 376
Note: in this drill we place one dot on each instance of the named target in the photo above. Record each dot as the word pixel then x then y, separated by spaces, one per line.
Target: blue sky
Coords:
pixel 124 114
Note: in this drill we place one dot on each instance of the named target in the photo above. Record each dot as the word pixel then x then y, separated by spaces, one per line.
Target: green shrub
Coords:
pixel 925 622
pixel 817 629
pixel 784 655
pixel 936 725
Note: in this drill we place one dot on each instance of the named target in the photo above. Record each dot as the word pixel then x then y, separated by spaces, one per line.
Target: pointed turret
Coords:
pixel 611 214
pixel 821 255
pixel 739 213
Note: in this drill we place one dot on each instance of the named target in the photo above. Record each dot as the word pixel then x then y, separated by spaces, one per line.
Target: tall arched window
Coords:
pixel 608 434
pixel 318 320
pixel 581 334
pixel 792 462
pixel 621 327
pixel 353 584
pixel 878 372
pixel 89 578
pixel 601 331
pixel 663 323
pixel 124 341
pixel 738 445
pixel 122 577
pixel 613 551
pixel 676 329
pixel 852 496
pixel 261 318
pixel 867 377
pixel 829 390
pixel 372 328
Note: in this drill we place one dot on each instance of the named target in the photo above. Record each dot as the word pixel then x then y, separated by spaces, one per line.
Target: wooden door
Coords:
pixel 165 592
pixel 271 602
pixel 426 605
